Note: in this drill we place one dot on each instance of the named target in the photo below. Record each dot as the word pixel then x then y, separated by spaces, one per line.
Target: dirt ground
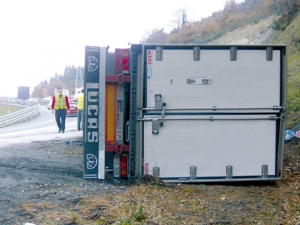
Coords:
pixel 41 183
pixel 44 172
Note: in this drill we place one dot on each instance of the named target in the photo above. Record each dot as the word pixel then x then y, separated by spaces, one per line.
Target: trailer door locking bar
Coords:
pixel 214 108
pixel 161 123
pixel 159 105
pixel 276 107
pixel 156 120
pixel 275 118
pixel 127 134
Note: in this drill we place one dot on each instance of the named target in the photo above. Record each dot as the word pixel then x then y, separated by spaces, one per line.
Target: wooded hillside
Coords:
pixel 234 15
pixel 279 18
pixel 65 81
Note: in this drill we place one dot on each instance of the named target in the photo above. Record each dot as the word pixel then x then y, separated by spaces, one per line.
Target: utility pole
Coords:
pixel 78 81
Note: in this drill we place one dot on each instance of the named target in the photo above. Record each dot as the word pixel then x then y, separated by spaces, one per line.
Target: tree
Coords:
pixel 37 91
pixel 231 6
pixel 65 81
pixel 288 9
pixel 180 18
pixel 45 92
pixel 156 36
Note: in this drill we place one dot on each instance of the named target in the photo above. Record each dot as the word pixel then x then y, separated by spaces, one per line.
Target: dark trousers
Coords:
pixel 60 117
pixel 80 120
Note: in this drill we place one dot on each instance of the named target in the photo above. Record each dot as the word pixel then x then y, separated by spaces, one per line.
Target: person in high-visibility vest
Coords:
pixel 61 106
pixel 80 107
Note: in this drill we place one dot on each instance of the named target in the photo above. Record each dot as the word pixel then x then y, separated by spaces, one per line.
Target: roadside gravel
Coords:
pixel 45 172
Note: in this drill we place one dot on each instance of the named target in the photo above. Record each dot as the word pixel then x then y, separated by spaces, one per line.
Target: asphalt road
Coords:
pixel 40 129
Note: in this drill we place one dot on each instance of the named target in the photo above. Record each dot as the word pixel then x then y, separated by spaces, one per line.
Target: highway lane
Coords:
pixel 40 129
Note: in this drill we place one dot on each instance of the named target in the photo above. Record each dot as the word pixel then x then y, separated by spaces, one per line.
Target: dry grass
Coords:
pixel 4 108
pixel 184 204
pixel 154 202
pixel 150 201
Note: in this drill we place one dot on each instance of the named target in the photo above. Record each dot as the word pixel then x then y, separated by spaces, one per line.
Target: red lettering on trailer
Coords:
pixel 146 168
pixel 149 58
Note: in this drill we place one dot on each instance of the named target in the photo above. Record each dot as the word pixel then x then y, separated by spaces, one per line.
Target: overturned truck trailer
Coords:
pixel 185 113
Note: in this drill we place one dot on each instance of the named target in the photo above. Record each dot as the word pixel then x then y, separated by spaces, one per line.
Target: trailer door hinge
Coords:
pixel 159 53
pixel 156 172
pixel 193 173
pixel 269 53
pixel 233 53
pixel 196 53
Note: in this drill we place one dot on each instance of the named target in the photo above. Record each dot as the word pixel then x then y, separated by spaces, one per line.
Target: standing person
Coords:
pixel 61 106
pixel 80 107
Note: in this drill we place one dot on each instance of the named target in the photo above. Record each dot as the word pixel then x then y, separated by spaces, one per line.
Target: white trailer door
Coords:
pixel 211 113
pixel 244 142
pixel 214 81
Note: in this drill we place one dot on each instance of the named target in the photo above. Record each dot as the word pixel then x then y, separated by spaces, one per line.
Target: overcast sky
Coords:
pixel 38 38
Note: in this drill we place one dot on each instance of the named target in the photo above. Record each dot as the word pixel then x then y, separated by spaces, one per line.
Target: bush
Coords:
pixel 276 25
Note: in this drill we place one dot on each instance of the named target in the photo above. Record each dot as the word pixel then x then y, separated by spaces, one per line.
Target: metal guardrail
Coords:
pixel 20 116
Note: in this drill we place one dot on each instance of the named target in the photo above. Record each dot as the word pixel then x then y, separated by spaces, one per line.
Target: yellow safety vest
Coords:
pixel 80 101
pixel 60 102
